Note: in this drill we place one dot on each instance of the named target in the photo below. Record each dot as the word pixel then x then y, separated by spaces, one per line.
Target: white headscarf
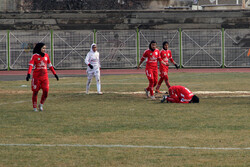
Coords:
pixel 93 44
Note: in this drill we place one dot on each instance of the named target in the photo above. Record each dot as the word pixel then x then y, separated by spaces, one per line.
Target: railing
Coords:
pixel 123 49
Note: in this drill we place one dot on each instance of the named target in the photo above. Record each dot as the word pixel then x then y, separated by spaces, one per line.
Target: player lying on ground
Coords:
pixel 40 79
pixel 165 55
pixel 153 56
pixel 93 69
pixel 180 94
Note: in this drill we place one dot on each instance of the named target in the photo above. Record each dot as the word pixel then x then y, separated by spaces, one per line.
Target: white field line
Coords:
pixel 127 146
pixel 232 93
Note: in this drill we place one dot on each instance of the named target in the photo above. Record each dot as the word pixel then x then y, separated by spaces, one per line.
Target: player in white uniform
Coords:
pixel 93 69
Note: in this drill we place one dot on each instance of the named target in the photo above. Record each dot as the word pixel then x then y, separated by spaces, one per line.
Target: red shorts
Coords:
pixel 39 83
pixel 164 74
pixel 152 74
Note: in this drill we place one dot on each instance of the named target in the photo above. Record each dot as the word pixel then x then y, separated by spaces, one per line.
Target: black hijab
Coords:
pixel 164 43
pixel 153 41
pixel 37 49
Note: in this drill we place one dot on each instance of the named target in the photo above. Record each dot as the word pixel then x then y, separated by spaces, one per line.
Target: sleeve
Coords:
pixel 51 66
pixel 144 56
pixel 159 57
pixel 87 59
pixel 31 64
pixel 170 57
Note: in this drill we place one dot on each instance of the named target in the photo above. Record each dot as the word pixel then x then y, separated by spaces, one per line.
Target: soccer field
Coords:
pixel 123 127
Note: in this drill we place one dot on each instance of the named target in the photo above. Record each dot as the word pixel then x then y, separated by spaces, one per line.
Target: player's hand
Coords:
pixel 176 66
pixel 166 64
pixel 90 66
pixel 56 76
pixel 28 77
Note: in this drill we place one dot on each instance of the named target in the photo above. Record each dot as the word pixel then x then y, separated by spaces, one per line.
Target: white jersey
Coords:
pixel 93 59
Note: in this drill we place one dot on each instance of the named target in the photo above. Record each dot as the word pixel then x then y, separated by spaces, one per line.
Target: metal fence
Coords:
pixel 118 49
pixel 70 48
pixel 202 48
pixel 237 48
pixel 21 44
pixel 172 36
pixel 3 51
pixel 123 49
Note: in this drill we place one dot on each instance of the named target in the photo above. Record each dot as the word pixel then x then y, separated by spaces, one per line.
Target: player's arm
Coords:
pixel 162 62
pixel 87 61
pixel 172 61
pixel 52 69
pixel 31 64
pixel 142 59
pixel 173 99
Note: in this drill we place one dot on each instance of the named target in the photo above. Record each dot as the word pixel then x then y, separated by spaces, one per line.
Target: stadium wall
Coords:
pixel 124 20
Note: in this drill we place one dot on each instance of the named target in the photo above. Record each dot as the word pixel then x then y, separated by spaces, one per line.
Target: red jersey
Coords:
pixel 179 94
pixel 40 64
pixel 152 58
pixel 165 56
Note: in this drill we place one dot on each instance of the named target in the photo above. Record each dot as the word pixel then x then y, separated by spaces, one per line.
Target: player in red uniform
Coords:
pixel 153 56
pixel 40 79
pixel 165 55
pixel 180 94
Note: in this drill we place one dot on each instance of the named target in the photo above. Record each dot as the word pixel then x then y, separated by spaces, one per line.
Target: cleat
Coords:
pixel 157 91
pixel 87 92
pixel 35 109
pixel 153 98
pixel 100 93
pixel 40 107
pixel 147 92
pixel 163 99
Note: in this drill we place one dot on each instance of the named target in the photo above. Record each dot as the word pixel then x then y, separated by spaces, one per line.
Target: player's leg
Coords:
pixel 45 88
pixel 34 100
pixel 90 75
pixel 159 83
pixel 150 76
pixel 98 81
pixel 167 81
pixel 35 87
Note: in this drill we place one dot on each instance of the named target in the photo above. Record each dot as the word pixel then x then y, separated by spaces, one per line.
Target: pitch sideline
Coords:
pixel 126 146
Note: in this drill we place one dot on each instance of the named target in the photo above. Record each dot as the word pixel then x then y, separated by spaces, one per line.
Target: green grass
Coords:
pixel 72 117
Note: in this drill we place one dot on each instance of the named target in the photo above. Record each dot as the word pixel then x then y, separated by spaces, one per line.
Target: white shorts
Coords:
pixel 93 72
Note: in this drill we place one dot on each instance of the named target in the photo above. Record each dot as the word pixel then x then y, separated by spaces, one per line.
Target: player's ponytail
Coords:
pixel 37 49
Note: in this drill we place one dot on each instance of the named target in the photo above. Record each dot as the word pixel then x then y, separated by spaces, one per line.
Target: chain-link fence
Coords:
pixel 3 50
pixel 237 48
pixel 71 47
pixel 172 36
pixel 22 44
pixel 202 48
pixel 118 49
pixel 123 49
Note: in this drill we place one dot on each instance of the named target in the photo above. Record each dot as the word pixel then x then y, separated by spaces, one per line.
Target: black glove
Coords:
pixel 90 66
pixel 177 66
pixel 28 77
pixel 56 77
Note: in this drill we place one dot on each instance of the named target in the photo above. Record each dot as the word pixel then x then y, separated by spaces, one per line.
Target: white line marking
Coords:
pixel 235 94
pixel 127 146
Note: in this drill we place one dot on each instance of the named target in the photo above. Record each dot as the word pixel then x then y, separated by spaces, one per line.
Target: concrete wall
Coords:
pixel 159 19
